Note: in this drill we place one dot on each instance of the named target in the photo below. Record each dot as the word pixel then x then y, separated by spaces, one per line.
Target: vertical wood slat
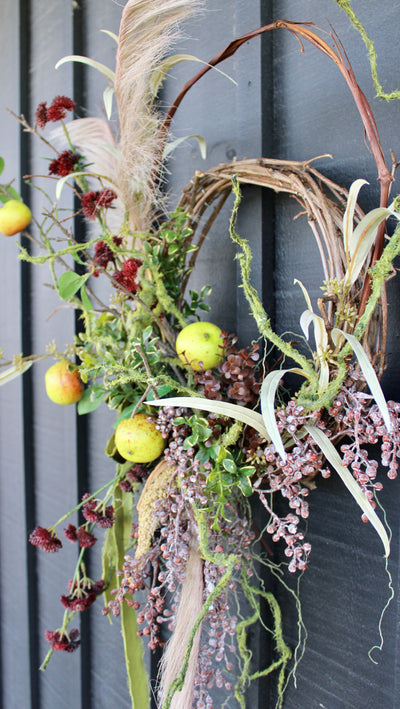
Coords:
pixel 15 662
pixel 53 426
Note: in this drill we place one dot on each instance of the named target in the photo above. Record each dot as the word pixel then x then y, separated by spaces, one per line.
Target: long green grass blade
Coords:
pixel 117 542
pixel 267 401
pixel 160 72
pixel 321 343
pixel 102 68
pixel 170 147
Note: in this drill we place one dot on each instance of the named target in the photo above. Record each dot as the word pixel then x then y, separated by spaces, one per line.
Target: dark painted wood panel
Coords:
pixel 315 114
pixel 345 587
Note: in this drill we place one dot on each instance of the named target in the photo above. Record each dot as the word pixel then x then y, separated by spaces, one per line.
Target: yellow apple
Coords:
pixel 137 439
pixel 14 217
pixel 63 386
pixel 200 345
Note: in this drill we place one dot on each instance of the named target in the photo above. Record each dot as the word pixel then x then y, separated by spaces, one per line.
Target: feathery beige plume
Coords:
pixel 94 139
pixel 190 605
pixel 147 30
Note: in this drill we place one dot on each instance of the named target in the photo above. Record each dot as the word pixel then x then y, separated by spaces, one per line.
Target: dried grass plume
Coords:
pixel 147 30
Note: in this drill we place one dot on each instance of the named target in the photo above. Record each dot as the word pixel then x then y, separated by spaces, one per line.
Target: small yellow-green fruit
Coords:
pixel 62 385
pixel 137 439
pixel 200 345
pixel 14 217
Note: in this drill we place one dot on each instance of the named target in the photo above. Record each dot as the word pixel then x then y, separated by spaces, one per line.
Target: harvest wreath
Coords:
pixel 203 426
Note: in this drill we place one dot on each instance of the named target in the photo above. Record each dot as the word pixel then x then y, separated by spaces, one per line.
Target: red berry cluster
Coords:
pixel 126 278
pixel 80 534
pixel 104 255
pixel 82 594
pixel 92 202
pixel 64 164
pixel 45 539
pixel 68 642
pixel 97 512
pixel 55 112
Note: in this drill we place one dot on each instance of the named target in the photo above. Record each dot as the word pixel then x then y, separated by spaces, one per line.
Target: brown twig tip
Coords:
pixel 337 54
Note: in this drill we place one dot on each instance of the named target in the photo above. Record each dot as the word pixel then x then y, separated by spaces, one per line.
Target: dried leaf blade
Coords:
pixel 368 371
pixel 240 413
pixel 333 457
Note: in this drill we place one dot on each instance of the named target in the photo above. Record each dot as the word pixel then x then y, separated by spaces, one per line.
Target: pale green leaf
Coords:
pixel 368 371
pixel 86 302
pixel 348 217
pixel 102 68
pixel 321 343
pixel 13 372
pixel 69 283
pixel 267 401
pixel 362 239
pixel 305 293
pixel 112 35
pixel 11 194
pixel 158 75
pixel 1 165
pixel 333 457
pixel 108 94
pixel 170 147
pixel 306 319
pixel 61 182
pixel 240 413
pixel 90 401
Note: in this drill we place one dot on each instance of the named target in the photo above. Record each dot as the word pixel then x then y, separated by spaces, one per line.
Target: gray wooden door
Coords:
pixel 287 105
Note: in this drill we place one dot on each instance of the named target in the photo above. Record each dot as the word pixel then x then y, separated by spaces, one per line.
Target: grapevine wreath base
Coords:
pixel 184 566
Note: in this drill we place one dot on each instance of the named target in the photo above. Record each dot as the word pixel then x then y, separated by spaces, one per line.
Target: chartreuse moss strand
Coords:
pixel 260 316
pixel 284 652
pixel 346 6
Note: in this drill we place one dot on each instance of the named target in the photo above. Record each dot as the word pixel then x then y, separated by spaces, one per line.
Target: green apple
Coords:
pixel 137 439
pixel 200 345
pixel 63 385
pixel 14 217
